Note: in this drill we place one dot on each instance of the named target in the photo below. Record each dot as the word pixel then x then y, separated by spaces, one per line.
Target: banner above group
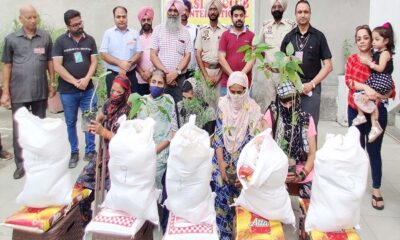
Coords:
pixel 198 15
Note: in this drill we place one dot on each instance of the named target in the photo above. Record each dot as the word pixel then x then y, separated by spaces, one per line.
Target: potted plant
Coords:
pixel 89 115
pixel 136 102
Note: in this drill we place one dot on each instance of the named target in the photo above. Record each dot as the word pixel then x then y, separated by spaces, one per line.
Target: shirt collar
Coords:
pixel 21 33
pixel 117 29
pixel 310 30
pixel 219 25
pixel 244 30
pixel 69 35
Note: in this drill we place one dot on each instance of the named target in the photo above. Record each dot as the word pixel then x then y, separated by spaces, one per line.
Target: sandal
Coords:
pixel 360 119
pixel 6 155
pixel 377 199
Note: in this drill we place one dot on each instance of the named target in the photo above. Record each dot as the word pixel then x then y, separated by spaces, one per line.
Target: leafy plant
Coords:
pixel 136 102
pixel 196 106
pixel 205 89
pixel 347 47
pixel 97 80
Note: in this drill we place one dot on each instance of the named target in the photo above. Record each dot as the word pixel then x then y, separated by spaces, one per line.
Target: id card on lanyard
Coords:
pixel 299 55
pixel 78 57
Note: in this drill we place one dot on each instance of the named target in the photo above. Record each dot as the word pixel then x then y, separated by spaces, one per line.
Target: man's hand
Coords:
pixel 146 75
pixel 5 100
pixel 124 66
pixel 82 83
pixel 171 78
pixel 52 91
pixel 307 87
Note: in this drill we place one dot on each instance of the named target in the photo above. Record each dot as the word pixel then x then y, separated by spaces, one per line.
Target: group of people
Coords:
pixel 156 63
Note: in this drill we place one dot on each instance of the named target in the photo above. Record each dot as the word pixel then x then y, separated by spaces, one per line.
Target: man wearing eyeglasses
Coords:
pixel 121 50
pixel 74 56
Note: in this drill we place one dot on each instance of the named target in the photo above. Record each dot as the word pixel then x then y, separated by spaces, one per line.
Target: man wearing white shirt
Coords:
pixel 120 49
pixel 193 33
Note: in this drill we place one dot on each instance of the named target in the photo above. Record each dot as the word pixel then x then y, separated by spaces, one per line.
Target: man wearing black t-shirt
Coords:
pixel 74 56
pixel 311 47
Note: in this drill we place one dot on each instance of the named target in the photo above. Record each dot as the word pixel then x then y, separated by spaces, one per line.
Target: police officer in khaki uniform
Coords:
pixel 272 33
pixel 206 46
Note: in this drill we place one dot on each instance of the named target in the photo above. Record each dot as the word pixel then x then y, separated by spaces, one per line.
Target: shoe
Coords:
pixel 374 133
pixel 90 155
pixel 73 161
pixel 19 173
pixel 377 199
pixel 6 155
pixel 360 119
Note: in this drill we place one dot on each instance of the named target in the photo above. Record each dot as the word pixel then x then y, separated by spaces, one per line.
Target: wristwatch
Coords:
pixel 178 71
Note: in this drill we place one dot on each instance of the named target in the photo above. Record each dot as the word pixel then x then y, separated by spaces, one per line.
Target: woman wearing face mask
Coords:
pixel 106 126
pixel 238 120
pixel 294 131
pixel 161 107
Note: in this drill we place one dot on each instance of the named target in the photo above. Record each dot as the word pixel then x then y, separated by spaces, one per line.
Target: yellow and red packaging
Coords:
pixel 350 234
pixel 40 220
pixel 250 226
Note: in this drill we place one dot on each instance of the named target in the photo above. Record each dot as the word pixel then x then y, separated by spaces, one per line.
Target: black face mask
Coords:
pixel 277 15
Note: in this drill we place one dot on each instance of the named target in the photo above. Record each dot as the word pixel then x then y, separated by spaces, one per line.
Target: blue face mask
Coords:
pixel 156 91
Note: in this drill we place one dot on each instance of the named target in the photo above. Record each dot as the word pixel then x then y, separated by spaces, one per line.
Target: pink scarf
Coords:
pixel 239 113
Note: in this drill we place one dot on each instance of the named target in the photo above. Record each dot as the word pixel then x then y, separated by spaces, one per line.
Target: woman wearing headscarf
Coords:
pixel 238 120
pixel 161 107
pixel 106 125
pixel 294 131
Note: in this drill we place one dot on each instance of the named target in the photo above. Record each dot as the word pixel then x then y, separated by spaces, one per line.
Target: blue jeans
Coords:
pixel 71 102
pixel 374 148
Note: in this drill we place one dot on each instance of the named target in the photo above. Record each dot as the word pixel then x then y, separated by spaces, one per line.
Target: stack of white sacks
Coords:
pixel 190 200
pixel 46 155
pixel 132 196
pixel 264 192
pixel 340 181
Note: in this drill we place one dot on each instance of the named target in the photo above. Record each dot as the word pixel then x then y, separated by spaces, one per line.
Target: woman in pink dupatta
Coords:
pixel 239 119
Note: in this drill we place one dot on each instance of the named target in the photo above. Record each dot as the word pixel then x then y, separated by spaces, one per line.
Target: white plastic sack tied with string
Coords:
pixel 46 153
pixel 264 192
pixel 132 169
pixel 340 181
pixel 189 174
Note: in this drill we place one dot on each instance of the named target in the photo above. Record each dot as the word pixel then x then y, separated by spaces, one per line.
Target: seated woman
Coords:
pixel 294 131
pixel 193 103
pixel 161 107
pixel 238 120
pixel 106 126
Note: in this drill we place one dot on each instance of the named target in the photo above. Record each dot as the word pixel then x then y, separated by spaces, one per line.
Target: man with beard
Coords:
pixel 75 60
pixel 193 33
pixel 311 47
pixel 171 48
pixel 207 44
pixel 231 40
pixel 144 67
pixel 26 58
pixel 272 33
pixel 121 50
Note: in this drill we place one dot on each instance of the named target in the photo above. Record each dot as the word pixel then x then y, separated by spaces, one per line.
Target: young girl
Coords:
pixel 380 79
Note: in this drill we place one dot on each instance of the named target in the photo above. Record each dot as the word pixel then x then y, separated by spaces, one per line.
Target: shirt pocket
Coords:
pixel 22 54
pixel 180 47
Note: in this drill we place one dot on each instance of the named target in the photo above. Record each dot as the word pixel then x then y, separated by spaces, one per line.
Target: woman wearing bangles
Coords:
pixel 356 75
pixel 106 125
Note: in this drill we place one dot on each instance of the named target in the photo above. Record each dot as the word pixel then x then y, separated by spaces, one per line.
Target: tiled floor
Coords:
pixel 375 225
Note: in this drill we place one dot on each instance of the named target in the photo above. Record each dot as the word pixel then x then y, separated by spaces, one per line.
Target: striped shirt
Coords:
pixel 171 46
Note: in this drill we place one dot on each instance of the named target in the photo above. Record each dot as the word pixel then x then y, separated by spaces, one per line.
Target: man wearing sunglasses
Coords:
pixel 74 56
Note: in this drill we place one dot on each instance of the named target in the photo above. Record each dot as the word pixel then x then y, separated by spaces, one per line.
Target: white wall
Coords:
pixel 382 11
